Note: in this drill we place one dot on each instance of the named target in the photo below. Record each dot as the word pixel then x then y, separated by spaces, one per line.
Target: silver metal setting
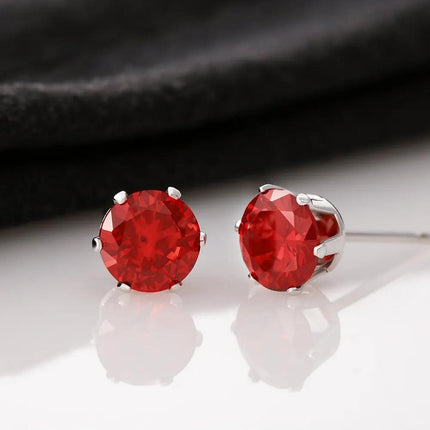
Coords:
pixel 333 245
pixel 266 187
pixel 174 193
pixel 303 199
pixel 176 286
pixel 237 225
pixel 203 238
pixel 124 287
pixel 97 244
pixel 120 198
pixel 295 291
pixel 330 246
pixel 423 238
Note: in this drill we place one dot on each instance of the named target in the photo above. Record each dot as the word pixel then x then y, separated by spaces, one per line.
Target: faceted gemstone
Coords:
pixel 277 239
pixel 151 242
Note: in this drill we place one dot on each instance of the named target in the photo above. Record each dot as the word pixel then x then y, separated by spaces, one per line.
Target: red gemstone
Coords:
pixel 278 237
pixel 151 242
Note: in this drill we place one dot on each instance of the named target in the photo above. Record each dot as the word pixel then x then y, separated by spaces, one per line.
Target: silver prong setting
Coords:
pixel 332 245
pixel 176 286
pixel 316 203
pixel 266 187
pixel 124 287
pixel 174 193
pixel 120 198
pixel 96 244
pixel 237 225
pixel 203 238
pixel 295 291
pixel 303 199
pixel 320 251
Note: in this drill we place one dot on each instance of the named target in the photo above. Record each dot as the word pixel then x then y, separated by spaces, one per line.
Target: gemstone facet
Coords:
pixel 278 237
pixel 151 241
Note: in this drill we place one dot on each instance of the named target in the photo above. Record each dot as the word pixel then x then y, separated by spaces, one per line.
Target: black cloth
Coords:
pixel 98 96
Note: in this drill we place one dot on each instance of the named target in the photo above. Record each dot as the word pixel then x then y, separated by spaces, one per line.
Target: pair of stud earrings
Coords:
pixel 150 240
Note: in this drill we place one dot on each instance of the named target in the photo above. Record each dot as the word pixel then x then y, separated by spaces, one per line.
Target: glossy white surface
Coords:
pixel 221 351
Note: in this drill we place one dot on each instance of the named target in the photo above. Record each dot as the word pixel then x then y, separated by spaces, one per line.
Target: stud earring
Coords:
pixel 286 240
pixel 149 240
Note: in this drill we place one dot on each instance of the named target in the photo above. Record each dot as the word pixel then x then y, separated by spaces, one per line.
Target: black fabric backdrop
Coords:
pixel 98 96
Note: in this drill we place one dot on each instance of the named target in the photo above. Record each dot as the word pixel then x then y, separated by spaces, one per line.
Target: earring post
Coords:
pixel 358 236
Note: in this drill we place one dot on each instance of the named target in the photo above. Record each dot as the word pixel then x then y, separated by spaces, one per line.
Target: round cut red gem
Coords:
pixel 151 242
pixel 278 237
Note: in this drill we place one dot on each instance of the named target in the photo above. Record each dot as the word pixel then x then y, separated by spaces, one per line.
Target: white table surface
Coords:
pixel 221 351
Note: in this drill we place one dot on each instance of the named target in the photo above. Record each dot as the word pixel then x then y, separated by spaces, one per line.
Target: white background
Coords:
pixel 353 352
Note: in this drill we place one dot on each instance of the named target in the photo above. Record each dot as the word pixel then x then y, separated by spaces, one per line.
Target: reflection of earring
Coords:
pixel 149 240
pixel 284 339
pixel 286 240
pixel 144 339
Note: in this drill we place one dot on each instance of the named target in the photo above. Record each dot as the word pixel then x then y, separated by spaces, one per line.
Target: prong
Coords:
pixel 203 238
pixel 176 286
pixel 237 225
pixel 294 291
pixel 124 287
pixel 333 245
pixel 266 187
pixel 303 199
pixel 330 246
pixel 96 244
pixel 174 193
pixel 120 198
pixel 316 203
